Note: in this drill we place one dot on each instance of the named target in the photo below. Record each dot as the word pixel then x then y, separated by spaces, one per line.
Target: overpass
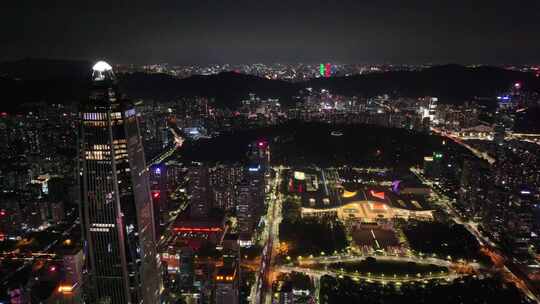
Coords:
pixel 318 273
pixel 388 258
pixel 178 142
pixel 476 152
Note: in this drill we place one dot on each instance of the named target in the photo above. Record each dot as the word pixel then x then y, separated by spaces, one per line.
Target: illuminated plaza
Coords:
pixel 324 194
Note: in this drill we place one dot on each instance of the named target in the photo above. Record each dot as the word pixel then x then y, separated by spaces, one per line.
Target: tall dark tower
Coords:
pixel 116 208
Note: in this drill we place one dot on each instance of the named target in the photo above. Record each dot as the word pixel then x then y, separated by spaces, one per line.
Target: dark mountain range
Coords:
pixel 451 83
pixel 55 81
pixel 228 88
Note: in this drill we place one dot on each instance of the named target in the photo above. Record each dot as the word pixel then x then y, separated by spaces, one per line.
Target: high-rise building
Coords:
pixel 226 285
pixel 224 197
pixel 198 191
pixel 69 289
pixel 223 182
pixel 159 189
pixel 186 271
pixel 56 212
pixel 245 213
pixel 468 185
pixel 116 209
pixel 433 165
pixel 260 155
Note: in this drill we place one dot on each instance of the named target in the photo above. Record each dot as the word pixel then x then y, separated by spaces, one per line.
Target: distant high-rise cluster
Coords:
pixel 284 71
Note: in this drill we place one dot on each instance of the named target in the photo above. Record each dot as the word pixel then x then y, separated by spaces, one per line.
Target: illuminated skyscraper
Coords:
pixel 433 165
pixel 227 284
pixel 159 190
pixel 245 211
pixel 116 209
pixel 198 190
pixel 325 70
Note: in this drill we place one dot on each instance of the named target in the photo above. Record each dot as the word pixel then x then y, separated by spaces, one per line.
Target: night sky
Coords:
pixel 238 31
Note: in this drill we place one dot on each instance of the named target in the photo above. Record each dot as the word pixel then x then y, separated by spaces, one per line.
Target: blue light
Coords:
pixel 192 131
pixel 254 169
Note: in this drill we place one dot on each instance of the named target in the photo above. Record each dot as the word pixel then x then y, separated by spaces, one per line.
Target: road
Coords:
pixel 262 289
pixel 388 258
pixel 318 273
pixel 178 142
pixel 531 138
pixel 509 271
pixel 457 140
pixel 30 258
pixel 167 236
pixel 456 269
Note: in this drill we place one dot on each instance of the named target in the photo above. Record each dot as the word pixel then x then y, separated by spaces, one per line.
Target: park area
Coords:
pixel 311 237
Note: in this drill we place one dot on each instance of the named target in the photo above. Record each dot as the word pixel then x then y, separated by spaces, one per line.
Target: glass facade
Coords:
pixel 116 207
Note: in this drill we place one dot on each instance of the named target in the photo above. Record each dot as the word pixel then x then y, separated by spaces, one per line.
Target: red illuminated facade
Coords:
pixel 327 70
pixel 379 195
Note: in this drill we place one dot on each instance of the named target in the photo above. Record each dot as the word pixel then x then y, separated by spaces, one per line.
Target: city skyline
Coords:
pixel 270 152
pixel 258 199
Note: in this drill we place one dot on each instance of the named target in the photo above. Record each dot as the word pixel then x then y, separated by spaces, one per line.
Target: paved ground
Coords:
pixel 375 237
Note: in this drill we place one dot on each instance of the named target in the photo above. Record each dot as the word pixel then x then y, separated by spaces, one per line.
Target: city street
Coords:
pixel 305 262
pixel 262 290
pixel 30 258
pixel 318 273
pixel 457 140
pixel 488 245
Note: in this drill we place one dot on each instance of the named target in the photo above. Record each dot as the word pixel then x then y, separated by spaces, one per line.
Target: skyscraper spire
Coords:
pixel 116 209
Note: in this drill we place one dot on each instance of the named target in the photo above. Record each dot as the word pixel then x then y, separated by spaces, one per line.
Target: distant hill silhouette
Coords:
pixel 53 81
pixel 228 88
pixel 451 83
